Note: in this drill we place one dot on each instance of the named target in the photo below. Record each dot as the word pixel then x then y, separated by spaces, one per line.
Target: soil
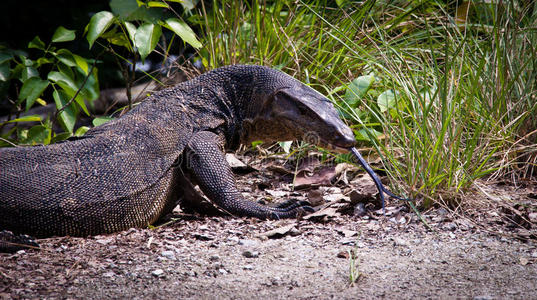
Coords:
pixel 487 252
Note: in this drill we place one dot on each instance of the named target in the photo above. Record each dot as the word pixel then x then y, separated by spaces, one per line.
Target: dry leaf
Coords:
pixel 281 231
pixel 327 212
pixel 322 176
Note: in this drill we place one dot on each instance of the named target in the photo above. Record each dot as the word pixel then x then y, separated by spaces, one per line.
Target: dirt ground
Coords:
pixel 486 253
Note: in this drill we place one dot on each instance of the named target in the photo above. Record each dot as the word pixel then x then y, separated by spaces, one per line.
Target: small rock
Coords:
pixel 248 243
pixel 343 254
pixel 157 272
pixel 222 271
pixel 203 237
pixel 534 254
pixel 109 274
pixel 104 241
pixel 250 254
pixel 399 242
pixel 275 281
pixel 359 210
pixel 214 258
pixel 523 261
pixel 168 254
pixel 234 239
pixel 483 297
pixel 449 226
pixel 346 233
pixel 533 217
pixel 248 267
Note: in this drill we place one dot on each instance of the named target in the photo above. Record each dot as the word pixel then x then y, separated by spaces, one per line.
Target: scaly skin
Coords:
pixel 123 174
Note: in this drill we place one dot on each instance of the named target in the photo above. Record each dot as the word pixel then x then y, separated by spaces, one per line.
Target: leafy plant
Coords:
pixel 137 26
pixel 72 79
pixel 443 93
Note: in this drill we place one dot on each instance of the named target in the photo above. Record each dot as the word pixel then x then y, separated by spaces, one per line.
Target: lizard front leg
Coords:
pixel 207 163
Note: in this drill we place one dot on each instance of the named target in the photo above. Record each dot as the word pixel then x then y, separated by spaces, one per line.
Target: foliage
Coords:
pixel 71 79
pixel 444 93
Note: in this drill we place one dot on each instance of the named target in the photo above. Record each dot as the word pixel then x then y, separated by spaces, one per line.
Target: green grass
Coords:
pixel 451 101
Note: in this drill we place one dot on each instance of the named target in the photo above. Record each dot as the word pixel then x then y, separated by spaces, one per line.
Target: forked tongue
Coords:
pixel 376 179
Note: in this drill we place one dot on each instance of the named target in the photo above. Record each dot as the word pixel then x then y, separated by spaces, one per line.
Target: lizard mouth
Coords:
pixel 337 146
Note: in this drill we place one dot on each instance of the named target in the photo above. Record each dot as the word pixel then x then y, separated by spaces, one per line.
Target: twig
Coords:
pixel 75 95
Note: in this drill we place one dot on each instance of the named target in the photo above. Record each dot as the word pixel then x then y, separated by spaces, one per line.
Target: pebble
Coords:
pixel 250 254
pixel 248 267
pixel 157 272
pixel 449 226
pixel 214 258
pixel 104 241
pixel 109 274
pixel 275 281
pixel 248 243
pixel 399 242
pixel 234 239
pixel 168 254
pixel 359 210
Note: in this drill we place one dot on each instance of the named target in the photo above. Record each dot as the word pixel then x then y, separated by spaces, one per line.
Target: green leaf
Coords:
pixel 68 115
pixel 4 71
pixel 130 10
pixel 157 4
pixel 63 35
pixel 29 118
pixel 31 89
pixel 367 134
pixel 70 87
pixel 358 88
pixel 186 33
pixel 66 70
pixel 256 143
pixel 43 60
pixel 131 29
pixel 66 57
pixel 386 100
pixel 286 146
pixel 187 4
pixel 117 38
pixel 39 134
pixel 29 72
pixel 90 91
pixel 5 57
pixel 60 137
pixel 81 130
pixel 82 63
pixel 64 81
pixel 146 39
pixel 101 120
pixel 37 43
pixel 98 24
pixel 123 8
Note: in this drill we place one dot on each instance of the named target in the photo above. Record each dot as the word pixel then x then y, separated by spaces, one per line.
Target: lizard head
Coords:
pixel 299 112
